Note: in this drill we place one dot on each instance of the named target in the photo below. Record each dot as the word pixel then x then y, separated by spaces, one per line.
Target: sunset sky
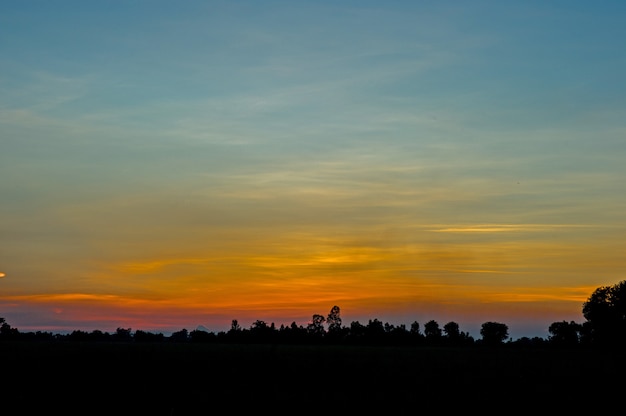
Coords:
pixel 165 165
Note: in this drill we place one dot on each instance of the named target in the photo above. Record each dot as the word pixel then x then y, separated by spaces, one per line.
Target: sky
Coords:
pixel 165 165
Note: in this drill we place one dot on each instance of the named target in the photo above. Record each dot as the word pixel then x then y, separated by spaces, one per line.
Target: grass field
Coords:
pixel 187 378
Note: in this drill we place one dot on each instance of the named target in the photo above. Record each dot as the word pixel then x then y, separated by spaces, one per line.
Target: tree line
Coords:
pixel 604 312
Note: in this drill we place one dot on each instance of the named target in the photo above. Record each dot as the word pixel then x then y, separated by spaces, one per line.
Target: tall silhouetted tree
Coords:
pixel 333 320
pixel 494 333
pixel 336 332
pixel 234 326
pixel 236 333
pixel 605 312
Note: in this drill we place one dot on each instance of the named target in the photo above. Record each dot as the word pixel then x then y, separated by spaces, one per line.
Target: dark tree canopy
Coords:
pixel 432 331
pixel 494 333
pixel 452 330
pixel 605 312
pixel 564 333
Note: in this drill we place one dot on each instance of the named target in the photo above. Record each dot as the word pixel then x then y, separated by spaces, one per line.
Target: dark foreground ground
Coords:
pixel 205 379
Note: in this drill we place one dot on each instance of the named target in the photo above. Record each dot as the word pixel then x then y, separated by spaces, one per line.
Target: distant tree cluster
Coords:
pixel 320 330
pixel 604 311
pixel 329 330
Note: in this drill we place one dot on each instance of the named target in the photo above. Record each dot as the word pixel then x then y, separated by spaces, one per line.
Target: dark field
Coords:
pixel 187 378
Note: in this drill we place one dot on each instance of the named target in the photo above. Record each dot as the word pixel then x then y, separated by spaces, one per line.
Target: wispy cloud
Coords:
pixel 508 228
pixel 65 297
pixel 545 294
pixel 158 265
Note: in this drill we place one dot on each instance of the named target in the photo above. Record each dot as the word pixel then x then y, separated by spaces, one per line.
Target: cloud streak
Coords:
pixel 509 228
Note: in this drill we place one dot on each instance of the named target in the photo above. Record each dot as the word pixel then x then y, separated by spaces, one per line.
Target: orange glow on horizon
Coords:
pixel 290 280
pixel 284 305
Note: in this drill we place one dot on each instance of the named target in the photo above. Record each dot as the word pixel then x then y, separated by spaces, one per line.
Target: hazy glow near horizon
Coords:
pixel 164 166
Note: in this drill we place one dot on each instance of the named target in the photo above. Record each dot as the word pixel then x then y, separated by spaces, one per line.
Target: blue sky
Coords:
pixel 405 160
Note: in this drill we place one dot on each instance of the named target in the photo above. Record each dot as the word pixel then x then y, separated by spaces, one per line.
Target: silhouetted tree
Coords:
pixel 293 333
pixel 605 312
pixel 415 333
pixel 144 336
pixel 586 333
pixel 259 326
pixel 234 326
pixel 431 329
pixel 6 332
pixel 235 333
pixel 432 332
pixel 260 331
pixel 358 332
pixel 336 332
pixel 454 335
pixel 389 327
pixel 564 334
pixel 397 334
pixel 123 334
pixel 78 335
pixel 333 320
pixel 97 335
pixel 180 336
pixel 452 330
pixel 527 342
pixel 316 326
pixel 494 333
pixel 375 331
pixel 198 335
